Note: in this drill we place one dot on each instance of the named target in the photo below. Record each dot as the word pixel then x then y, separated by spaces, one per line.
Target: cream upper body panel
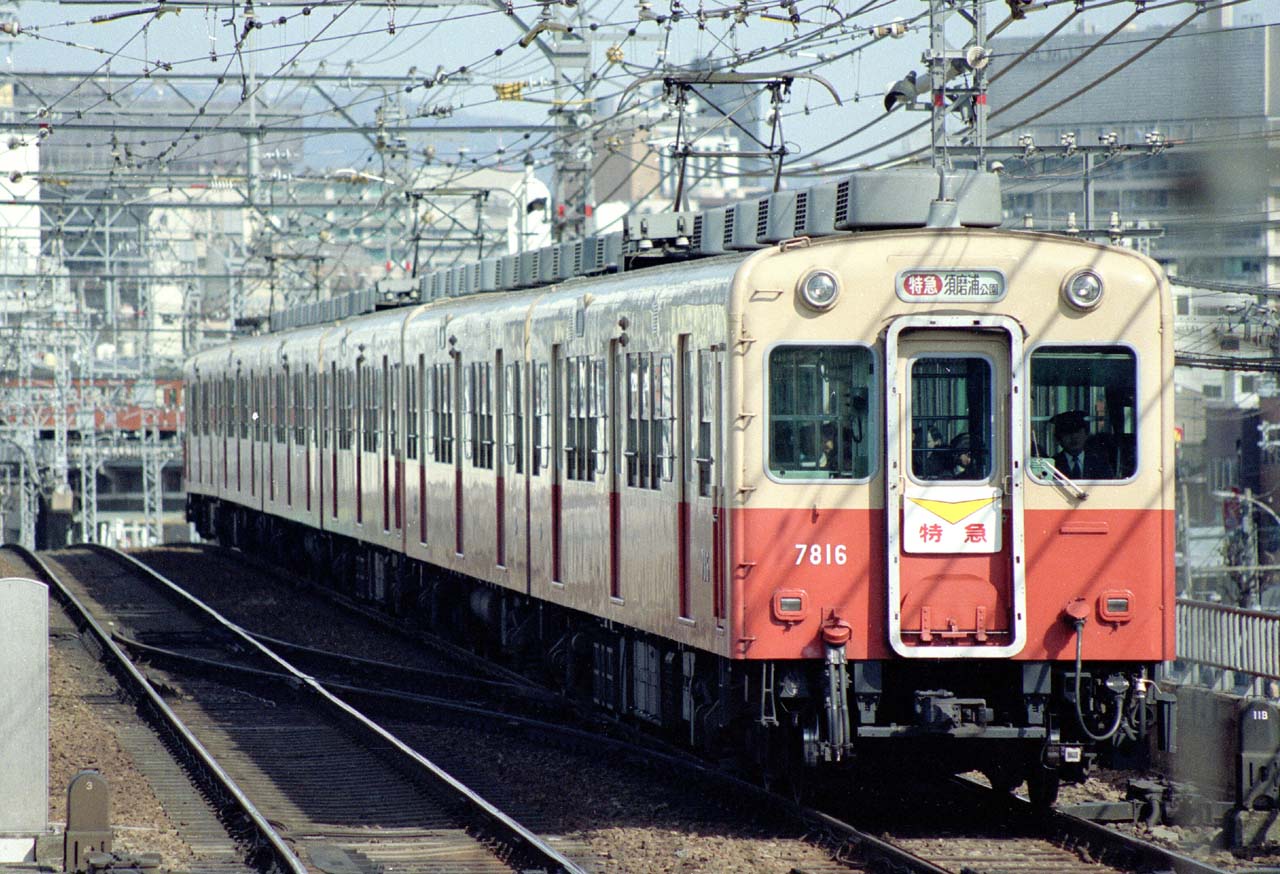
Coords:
pixel 1135 312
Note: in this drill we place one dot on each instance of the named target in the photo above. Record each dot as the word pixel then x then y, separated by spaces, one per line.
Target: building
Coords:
pixel 1212 94
pixel 1175 149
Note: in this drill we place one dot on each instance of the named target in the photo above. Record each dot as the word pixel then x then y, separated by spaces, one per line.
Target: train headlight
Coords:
pixel 1083 289
pixel 819 289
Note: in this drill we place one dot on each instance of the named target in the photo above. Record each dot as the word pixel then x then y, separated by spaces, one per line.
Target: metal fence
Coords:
pixel 1224 639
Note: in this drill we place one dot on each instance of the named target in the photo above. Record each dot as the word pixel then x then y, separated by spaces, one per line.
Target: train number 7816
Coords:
pixel 821 553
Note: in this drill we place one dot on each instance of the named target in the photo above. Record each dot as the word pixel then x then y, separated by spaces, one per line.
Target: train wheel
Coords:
pixel 1042 786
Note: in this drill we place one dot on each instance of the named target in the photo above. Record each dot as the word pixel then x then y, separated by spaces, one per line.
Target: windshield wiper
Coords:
pixel 1072 485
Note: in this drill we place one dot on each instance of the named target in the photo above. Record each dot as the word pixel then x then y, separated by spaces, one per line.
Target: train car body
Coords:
pixel 814 501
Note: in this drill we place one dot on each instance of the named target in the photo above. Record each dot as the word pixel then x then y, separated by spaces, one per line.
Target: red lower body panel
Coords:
pixel 1069 554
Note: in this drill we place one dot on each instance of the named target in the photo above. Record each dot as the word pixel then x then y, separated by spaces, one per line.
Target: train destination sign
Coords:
pixel 950 286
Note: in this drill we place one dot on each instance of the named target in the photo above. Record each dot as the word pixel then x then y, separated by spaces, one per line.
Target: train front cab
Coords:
pixel 951 620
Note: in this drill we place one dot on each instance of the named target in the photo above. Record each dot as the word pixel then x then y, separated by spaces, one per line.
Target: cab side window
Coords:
pixel 1084 419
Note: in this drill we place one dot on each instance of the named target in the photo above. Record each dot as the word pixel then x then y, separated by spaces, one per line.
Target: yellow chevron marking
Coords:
pixel 952 511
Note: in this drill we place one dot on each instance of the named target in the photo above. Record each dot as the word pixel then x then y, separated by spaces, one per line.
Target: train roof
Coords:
pixel 863 201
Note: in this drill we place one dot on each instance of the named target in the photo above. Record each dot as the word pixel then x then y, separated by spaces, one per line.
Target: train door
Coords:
pixel 955 557
pixel 701 522
pixel 557 459
pixel 514 521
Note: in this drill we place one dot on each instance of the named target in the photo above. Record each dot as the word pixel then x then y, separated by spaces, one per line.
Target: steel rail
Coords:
pixel 1149 856
pixel 512 832
pixel 881 855
pixel 284 858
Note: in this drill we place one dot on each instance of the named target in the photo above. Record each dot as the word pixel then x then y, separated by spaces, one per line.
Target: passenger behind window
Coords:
pixel 931 457
pixel 829 460
pixel 964 463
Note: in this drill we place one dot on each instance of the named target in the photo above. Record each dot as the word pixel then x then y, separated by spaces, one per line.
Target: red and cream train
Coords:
pixel 807 501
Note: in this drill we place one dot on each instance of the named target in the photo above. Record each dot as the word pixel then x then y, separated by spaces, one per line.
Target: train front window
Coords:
pixel 819 412
pixel 951 418
pixel 1083 413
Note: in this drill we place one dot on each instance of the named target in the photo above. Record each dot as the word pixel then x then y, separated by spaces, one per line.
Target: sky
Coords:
pixel 457 54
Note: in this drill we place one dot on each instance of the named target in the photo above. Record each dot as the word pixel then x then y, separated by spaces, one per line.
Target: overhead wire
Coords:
pixel 832 144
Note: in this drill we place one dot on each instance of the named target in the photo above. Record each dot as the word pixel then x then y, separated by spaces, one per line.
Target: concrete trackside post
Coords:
pixel 24 717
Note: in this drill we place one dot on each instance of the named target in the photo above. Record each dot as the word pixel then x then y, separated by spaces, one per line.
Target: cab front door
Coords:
pixel 954 551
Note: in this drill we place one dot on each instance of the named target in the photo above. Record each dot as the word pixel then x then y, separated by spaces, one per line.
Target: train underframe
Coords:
pixel 792 720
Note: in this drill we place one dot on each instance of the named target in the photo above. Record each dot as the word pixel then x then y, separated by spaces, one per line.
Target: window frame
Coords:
pixel 1137 421
pixel 872 427
pixel 993 438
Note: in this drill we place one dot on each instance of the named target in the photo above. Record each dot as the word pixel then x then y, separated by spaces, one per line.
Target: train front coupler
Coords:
pixel 835 742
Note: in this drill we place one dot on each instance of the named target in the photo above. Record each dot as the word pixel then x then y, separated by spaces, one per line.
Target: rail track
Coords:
pixel 963 826
pixel 447 706
pixel 1005 829
pixel 317 785
pixel 1055 842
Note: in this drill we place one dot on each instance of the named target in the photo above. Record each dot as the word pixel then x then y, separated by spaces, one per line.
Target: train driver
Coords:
pixel 1076 458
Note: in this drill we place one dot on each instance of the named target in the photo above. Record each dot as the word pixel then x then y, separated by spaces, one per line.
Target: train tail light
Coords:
pixel 1116 605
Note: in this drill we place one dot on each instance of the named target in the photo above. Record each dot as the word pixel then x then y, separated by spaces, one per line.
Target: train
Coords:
pixel 895 490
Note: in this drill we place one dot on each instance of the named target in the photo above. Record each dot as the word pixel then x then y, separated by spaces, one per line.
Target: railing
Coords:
pixel 1229 638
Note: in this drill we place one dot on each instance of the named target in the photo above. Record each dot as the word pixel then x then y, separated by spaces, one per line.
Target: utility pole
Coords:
pixel 942 65
pixel 571 94
pixel 970 99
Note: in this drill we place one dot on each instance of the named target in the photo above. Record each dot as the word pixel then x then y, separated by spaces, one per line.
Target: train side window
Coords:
pixel 1083 409
pixel 281 406
pixel 514 413
pixel 344 409
pixel 469 425
pixel 478 405
pixel 233 385
pixel 583 416
pixel 708 378
pixel 599 411
pixel 411 410
pixel 310 407
pixel 573 413
pixel 375 387
pixel 326 408
pixel 664 455
pixel 820 403
pixel 300 406
pixel 360 411
pixel 444 413
pixel 193 410
pixel 393 410
pixel 431 412
pixel 638 391
pixel 379 407
pixel 541 431
pixel 650 396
